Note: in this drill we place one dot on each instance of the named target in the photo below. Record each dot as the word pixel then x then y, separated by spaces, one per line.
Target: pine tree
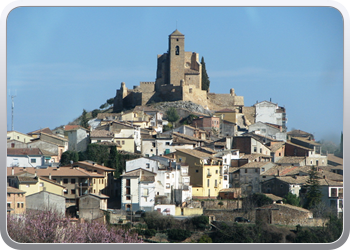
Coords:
pixel 313 193
pixel 205 77
pixel 84 121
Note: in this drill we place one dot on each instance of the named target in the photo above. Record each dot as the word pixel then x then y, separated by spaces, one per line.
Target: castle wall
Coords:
pixel 147 87
pixel 225 100
pixel 193 94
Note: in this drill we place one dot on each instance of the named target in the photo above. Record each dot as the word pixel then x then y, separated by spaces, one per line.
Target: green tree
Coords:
pixel 292 199
pixel 84 121
pixel 205 77
pixel 110 101
pixel 313 192
pixel 69 156
pixel 95 112
pixel 172 115
pixel 339 152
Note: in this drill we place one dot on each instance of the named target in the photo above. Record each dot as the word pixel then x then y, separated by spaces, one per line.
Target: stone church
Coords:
pixel 179 78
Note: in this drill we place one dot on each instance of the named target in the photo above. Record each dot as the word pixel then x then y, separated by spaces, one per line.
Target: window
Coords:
pixel 167 143
pixel 190 90
pixel 65 181
pixel 255 149
pixel 216 183
pixel 145 192
pixel 168 176
pixel 245 170
pixel 147 165
pixel 72 181
pixel 12 145
pixel 9 205
pixel 123 142
pixel 167 185
pixel 208 183
pixel 177 50
pixel 72 191
pixel 196 170
pixel 32 160
pixel 65 191
pixel 261 151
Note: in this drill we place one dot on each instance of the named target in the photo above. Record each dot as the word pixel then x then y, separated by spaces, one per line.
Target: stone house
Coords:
pixel 299 133
pixel 190 131
pixel 101 136
pixel 44 200
pixel 251 144
pixel 292 161
pixel 128 136
pixel 210 124
pixel 157 145
pixel 285 214
pixel 276 150
pixel 53 148
pixel 299 146
pixel 16 201
pixel 282 185
pixel 92 206
pixel 250 176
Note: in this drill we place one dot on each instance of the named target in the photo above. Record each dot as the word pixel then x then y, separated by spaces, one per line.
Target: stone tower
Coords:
pixel 176 54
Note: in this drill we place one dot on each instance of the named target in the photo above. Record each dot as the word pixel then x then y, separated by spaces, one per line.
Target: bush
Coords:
pixel 157 221
pixel 178 234
pixel 200 222
pixel 205 239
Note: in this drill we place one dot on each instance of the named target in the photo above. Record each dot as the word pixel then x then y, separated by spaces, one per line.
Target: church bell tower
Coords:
pixel 176 53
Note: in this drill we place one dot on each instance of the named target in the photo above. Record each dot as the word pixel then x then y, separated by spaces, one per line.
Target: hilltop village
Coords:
pixel 172 147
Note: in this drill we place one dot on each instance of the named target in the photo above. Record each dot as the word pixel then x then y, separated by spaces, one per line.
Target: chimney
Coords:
pixel 13 171
pixel 103 163
pixel 50 176
pixel 35 174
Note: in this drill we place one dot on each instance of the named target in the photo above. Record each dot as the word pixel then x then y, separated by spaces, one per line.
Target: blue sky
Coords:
pixel 61 60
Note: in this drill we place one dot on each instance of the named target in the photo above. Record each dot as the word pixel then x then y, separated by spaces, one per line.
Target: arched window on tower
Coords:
pixel 177 50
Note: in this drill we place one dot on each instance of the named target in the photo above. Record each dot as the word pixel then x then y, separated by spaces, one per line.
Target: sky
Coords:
pixel 61 60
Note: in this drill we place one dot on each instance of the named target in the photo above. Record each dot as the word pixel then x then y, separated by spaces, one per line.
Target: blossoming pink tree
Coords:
pixel 49 227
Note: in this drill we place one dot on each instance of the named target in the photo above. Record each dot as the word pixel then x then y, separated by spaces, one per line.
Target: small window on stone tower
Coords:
pixel 190 90
pixel 177 50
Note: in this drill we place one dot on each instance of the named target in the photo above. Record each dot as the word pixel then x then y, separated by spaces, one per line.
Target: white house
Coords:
pixel 25 157
pixel 269 112
pixel 78 139
pixel 138 190
pixel 172 182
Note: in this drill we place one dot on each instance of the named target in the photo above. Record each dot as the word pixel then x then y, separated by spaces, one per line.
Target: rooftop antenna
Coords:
pixel 176 24
pixel 12 108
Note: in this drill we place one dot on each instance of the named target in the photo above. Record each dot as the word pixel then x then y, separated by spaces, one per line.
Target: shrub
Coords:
pixel 178 234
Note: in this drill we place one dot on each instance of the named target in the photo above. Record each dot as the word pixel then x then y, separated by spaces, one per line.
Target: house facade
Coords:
pixel 25 157
pixel 16 201
pixel 205 170
pixel 269 112
pixel 78 139
pixel 138 190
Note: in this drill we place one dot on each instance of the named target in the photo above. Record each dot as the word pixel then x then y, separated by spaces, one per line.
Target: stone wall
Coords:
pixel 228 215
